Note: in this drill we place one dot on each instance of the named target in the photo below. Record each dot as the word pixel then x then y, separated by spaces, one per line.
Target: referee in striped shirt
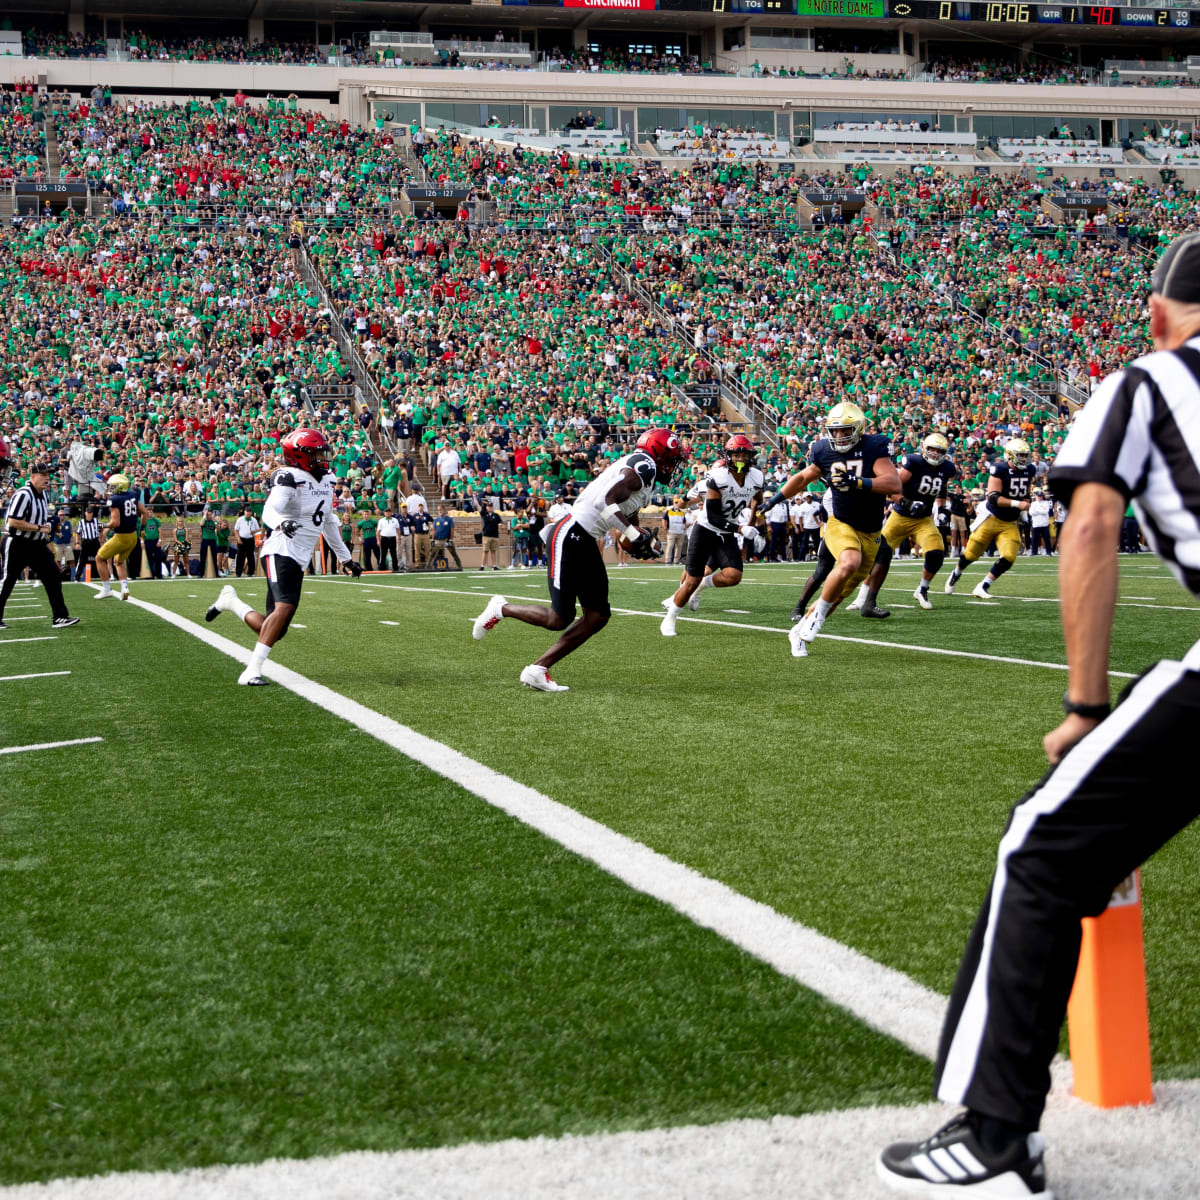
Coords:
pixel 26 543
pixel 1113 796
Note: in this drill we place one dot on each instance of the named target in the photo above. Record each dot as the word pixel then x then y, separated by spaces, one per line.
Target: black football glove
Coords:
pixel 769 504
pixel 918 508
pixel 647 548
pixel 289 528
pixel 352 568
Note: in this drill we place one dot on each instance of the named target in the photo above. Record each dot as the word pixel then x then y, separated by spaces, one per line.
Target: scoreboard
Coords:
pixel 913 10
pixel 1043 14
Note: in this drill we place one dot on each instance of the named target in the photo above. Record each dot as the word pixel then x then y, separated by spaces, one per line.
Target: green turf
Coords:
pixel 239 928
pixel 373 958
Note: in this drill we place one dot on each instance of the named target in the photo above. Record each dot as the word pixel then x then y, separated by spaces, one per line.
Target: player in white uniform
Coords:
pixel 299 512
pixel 575 564
pixel 732 492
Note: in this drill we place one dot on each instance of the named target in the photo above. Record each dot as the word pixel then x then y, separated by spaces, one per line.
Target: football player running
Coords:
pixel 298 513
pixel 125 511
pixel 858 467
pixel 575 564
pixel 1009 491
pixel 925 478
pixel 734 485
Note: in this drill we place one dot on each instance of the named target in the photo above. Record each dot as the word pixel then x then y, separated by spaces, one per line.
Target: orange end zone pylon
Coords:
pixel 1107 1017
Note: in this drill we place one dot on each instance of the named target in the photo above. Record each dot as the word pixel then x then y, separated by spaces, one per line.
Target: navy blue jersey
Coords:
pixel 126 504
pixel 927 484
pixel 859 509
pixel 1015 482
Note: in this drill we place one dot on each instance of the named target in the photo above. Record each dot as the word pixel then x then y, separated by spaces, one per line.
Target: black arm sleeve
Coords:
pixel 715 517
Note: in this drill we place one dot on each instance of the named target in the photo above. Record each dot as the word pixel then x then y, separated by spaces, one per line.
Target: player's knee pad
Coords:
pixel 1000 566
pixel 883 556
pixel 934 560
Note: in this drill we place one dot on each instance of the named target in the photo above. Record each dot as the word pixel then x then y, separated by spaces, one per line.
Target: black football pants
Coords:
pixel 18 553
pixel 1117 797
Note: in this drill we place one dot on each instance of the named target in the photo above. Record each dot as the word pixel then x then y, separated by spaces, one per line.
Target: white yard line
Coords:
pixel 1192 608
pixel 51 637
pixel 35 675
pixel 1093 1155
pixel 49 745
pixel 883 998
pixel 833 637
pixel 39 617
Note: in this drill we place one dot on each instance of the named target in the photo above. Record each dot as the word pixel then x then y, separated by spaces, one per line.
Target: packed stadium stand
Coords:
pixel 214 230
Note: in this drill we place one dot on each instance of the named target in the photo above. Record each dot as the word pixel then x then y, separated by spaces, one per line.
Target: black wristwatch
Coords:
pixel 1092 712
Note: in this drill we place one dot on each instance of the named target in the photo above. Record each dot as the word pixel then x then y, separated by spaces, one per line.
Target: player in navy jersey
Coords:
pixel 125 510
pixel 1009 491
pixel 926 478
pixel 858 467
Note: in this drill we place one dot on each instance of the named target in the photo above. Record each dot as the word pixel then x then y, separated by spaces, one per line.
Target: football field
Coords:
pixel 399 902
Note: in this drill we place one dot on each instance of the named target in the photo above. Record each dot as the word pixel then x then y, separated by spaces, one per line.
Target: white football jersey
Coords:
pixel 588 510
pixel 735 497
pixel 296 495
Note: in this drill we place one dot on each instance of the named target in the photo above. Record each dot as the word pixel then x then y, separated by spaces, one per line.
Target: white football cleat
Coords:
pixel 539 678
pixel 856 605
pixel 103 594
pixel 667 628
pixel 694 600
pixel 949 588
pixel 223 603
pixel 808 629
pixel 489 618
pixel 981 593
pixel 922 598
pixel 124 593
pixel 252 678
pixel 799 648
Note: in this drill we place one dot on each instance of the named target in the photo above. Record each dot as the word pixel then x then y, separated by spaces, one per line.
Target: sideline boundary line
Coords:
pixel 833 637
pixel 881 997
pixel 49 745
pixel 35 675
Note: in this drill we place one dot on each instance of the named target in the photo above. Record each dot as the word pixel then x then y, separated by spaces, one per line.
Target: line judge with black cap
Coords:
pixel 26 544
pixel 1122 783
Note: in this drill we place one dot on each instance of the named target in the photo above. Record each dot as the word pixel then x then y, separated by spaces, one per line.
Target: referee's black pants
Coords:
pixel 1107 806
pixel 18 553
pixel 245 558
pixel 87 553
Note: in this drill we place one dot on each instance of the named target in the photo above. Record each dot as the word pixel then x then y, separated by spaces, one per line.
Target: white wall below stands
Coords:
pixel 812 61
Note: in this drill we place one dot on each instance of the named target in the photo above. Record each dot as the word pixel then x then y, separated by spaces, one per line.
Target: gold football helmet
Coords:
pixel 845 425
pixel 1017 452
pixel 934 449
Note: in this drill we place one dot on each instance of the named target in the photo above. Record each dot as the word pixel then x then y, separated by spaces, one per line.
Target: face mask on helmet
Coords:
pixel 843 437
pixel 933 452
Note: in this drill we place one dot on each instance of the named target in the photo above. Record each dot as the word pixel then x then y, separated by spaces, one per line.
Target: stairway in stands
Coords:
pixel 53 160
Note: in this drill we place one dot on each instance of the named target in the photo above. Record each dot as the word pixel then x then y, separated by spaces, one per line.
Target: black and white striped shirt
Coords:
pixel 27 505
pixel 88 529
pixel 1140 433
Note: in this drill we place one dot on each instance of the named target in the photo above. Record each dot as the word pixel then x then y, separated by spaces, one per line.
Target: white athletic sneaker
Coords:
pixel 922 598
pixel 980 592
pixel 124 593
pixel 808 629
pixel 103 594
pixel 694 600
pixel 539 678
pixel 223 603
pixel 489 619
pixel 250 677
pixel 667 628
pixel 799 648
pixel 949 588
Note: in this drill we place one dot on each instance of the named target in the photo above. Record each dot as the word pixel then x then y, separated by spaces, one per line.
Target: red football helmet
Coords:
pixel 6 463
pixel 308 449
pixel 740 448
pixel 665 448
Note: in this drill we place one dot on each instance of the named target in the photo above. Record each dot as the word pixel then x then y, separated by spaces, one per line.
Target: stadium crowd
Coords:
pixel 515 359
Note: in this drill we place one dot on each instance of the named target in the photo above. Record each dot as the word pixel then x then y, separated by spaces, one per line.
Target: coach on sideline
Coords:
pixel 26 543
pixel 1113 796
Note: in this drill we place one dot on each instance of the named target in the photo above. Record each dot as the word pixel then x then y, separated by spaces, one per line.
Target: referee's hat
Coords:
pixel 1177 276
